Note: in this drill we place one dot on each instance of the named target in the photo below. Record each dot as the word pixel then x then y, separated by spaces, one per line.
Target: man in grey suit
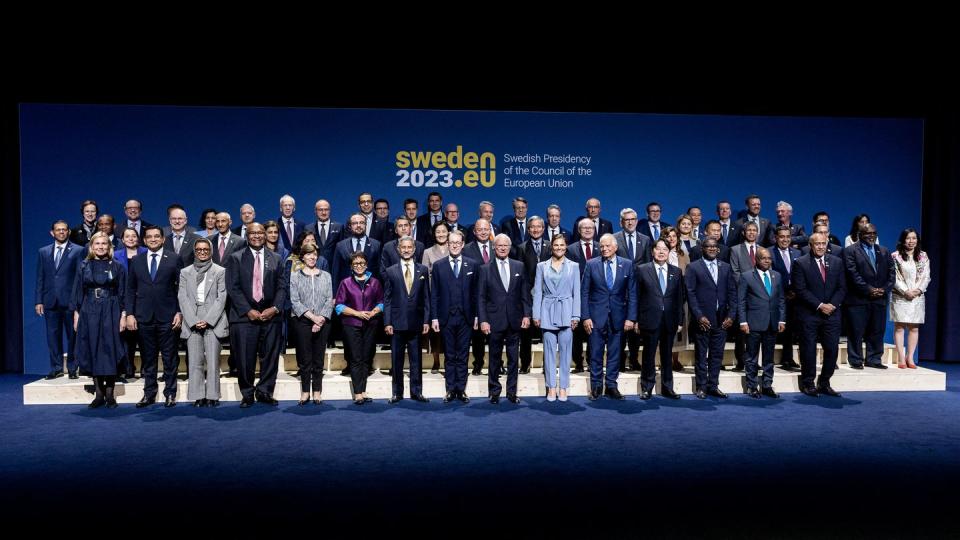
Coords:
pixel 742 260
pixel 634 246
pixel 225 241
pixel 203 299
pixel 185 228
pixel 762 311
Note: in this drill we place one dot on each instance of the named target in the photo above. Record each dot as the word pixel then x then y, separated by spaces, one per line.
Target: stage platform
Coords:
pixel 336 386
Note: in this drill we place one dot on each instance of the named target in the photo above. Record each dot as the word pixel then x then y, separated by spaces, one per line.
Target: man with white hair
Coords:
pixel 289 226
pixel 798 237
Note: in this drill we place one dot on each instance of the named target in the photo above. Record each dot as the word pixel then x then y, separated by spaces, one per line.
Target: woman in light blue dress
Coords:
pixel 556 310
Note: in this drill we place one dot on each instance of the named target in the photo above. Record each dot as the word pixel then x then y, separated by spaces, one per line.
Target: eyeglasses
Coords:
pixel 358 264
pixel 202 250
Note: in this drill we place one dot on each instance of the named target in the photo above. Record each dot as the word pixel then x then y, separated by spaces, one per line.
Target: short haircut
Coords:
pixel 149 228
pixel 502 236
pixel 54 224
pixel 175 206
pixel 87 203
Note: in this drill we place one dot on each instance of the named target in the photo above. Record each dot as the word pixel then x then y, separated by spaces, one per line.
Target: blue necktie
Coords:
pixel 766 284
pixel 56 259
pixel 872 255
pixel 610 275
pixel 630 254
pixel 656 231
pixel 153 267
pixel 724 233
pixel 663 282
pixel 456 268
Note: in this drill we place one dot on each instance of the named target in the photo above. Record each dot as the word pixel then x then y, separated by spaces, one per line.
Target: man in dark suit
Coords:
pixel 420 234
pixel 798 237
pixel 290 226
pixel 504 306
pixel 56 273
pixel 180 240
pixel 453 306
pixel 711 230
pixel 635 247
pixel 484 212
pixel 327 232
pixel 752 215
pixel 258 287
pixel 481 251
pixel 659 317
pixel 784 255
pixel 80 235
pixel 652 224
pixel 823 218
pixel 729 228
pixel 600 226
pixel 247 215
pixel 820 284
pixel 515 226
pixel 390 252
pixel 833 248
pixel 433 214
pixel 696 216
pixel 153 280
pixel 553 226
pixel 712 297
pixel 185 228
pixel 225 242
pixel 870 277
pixel 106 225
pixel 406 316
pixel 534 250
pixel 608 297
pixel 580 252
pixel 762 311
pixel 357 241
pixel 451 215
pixel 132 210
pixel 383 228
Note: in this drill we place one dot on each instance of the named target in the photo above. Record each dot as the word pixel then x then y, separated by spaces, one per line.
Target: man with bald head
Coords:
pixel 325 230
pixel 180 240
pixel 133 219
pixel 481 251
pixel 600 226
pixel 225 242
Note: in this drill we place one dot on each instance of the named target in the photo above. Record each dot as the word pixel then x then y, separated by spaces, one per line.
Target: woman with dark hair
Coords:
pixel 907 299
pixel 130 242
pixel 81 234
pixel 294 261
pixel 439 250
pixel 858 221
pixel 311 293
pixel 679 258
pixel 359 300
pixel 207 227
pixel 99 317
pixel 272 242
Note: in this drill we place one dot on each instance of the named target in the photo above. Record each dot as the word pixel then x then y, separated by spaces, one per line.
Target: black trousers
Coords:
pixel 158 339
pixel 579 338
pixel 527 336
pixel 131 340
pixel 362 347
pixel 456 336
pixel 59 323
pixel 263 339
pixel 766 342
pixel 478 342
pixel 826 331
pixel 866 322
pixel 663 338
pixel 630 350
pixel 790 332
pixel 510 339
pixel 311 347
pixel 409 340
pixel 708 348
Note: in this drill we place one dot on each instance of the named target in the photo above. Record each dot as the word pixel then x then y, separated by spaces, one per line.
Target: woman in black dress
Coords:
pixel 98 317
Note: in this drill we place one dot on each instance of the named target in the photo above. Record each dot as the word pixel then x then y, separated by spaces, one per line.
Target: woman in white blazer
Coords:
pixel 556 310
pixel 203 299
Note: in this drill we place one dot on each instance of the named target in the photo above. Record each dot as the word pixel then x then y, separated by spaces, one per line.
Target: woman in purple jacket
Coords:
pixel 359 301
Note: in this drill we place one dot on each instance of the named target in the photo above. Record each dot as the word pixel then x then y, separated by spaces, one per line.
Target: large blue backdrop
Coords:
pixel 224 157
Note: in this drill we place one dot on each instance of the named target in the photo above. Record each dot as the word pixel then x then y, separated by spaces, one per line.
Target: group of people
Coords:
pixel 425 280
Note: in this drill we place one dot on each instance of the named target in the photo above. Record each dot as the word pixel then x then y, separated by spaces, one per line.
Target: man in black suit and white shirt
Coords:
pixel 433 214
pixel 247 215
pixel 515 226
pixel 729 229
pixel 553 226
pixel 600 226
pixel 530 253
pixel 481 251
pixel 652 224
pixel 180 240
pixel 581 251
pixel 326 231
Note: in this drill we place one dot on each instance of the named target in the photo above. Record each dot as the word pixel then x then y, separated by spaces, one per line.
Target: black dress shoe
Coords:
pixel 213 403
pixel 97 402
pixel 246 403
pixel 303 402
pixel 146 402
pixel 476 372
pixel 525 370
pixel 122 380
pixel 645 394
pixel 700 394
pixel 877 366
pixel 265 399
pixel 810 391
pixel 199 403
pixel 233 373
pixel 368 400
pixel 634 366
pixel 170 402
pixel 790 366
pixel 513 399
pixel 753 393
pixel 669 393
pixel 495 399
pixel 449 397
pixel 394 399
pixel 420 398
pixel 462 396
pixel 770 393
pixel 717 393
pixel 112 403
pixel 856 366
pixel 828 391
pixel 346 372
pixel 73 375
pixel 738 369
pixel 577 369
pixel 613 393
pixel 318 402
pixel 359 401
pixel 53 375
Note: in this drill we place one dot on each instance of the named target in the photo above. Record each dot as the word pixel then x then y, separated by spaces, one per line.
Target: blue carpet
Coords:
pixel 874 462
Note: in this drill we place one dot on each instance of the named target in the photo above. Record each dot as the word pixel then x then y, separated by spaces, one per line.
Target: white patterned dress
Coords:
pixel 910 275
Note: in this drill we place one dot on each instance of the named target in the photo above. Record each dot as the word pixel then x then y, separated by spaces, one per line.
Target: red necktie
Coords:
pixel 486 256
pixel 823 271
pixel 588 251
pixel 753 257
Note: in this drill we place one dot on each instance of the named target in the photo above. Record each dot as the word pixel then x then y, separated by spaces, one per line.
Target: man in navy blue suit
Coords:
pixel 390 252
pixel 326 231
pixel 258 287
pixel 729 229
pixel 153 281
pixel 784 255
pixel 819 281
pixel 659 318
pixel 870 277
pixel 515 226
pixel 56 273
pixel 712 297
pixel 406 316
pixel 652 224
pixel 433 214
pixel 290 227
pixel 420 232
pixel 762 312
pixel 132 210
pixel 600 226
pixel 711 230
pixel 608 299
pixel 453 306
pixel 504 310
pixel 357 240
